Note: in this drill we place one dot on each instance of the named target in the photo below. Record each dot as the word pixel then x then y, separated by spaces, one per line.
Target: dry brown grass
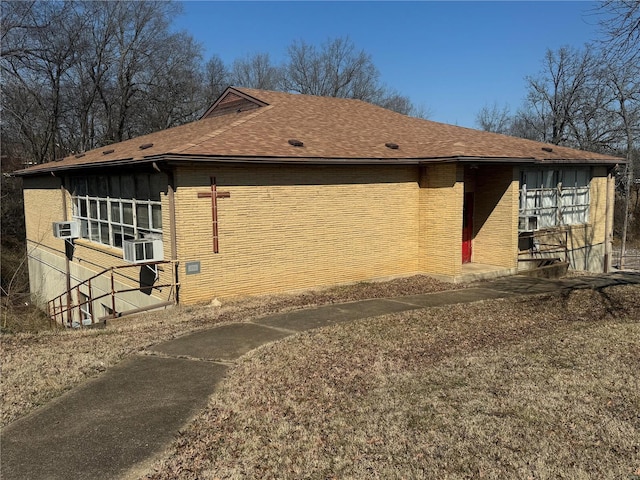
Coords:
pixel 542 387
pixel 22 317
pixel 39 366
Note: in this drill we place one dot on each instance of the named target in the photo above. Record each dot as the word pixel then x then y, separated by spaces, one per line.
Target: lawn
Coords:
pixel 39 364
pixel 540 387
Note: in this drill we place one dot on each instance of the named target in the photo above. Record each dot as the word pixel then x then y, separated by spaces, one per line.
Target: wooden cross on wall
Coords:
pixel 214 195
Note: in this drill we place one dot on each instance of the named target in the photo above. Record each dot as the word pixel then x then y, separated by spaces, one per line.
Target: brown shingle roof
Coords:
pixel 329 128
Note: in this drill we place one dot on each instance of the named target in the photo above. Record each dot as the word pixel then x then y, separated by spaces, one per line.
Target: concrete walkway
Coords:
pixel 116 425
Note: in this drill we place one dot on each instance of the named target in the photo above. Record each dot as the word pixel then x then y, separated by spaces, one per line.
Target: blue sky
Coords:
pixel 452 58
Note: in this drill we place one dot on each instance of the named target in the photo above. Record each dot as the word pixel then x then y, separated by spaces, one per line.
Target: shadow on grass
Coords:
pixel 603 286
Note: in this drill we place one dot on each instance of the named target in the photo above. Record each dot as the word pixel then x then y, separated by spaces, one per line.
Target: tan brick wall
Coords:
pixel 441 199
pixel 43 205
pixel 292 227
pixel 598 205
pixel 47 267
pixel 495 216
pixel 587 241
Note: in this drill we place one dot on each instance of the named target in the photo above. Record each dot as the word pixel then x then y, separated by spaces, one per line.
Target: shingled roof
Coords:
pixel 247 125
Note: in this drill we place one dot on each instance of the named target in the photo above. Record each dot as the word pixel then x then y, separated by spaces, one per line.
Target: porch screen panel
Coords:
pixel 539 196
pixel 529 193
pixel 555 196
pixel 548 199
pixel 115 208
pixel 574 200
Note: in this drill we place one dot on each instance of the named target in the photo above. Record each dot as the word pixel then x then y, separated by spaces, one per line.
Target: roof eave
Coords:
pixel 34 171
pixel 382 160
pixel 181 158
pixel 591 161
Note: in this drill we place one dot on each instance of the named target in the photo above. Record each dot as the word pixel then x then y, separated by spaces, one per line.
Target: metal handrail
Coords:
pixel 58 311
pixel 547 247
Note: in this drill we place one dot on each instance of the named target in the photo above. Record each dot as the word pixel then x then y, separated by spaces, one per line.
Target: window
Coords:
pixel 85 309
pixel 115 208
pixel 555 196
pixel 108 311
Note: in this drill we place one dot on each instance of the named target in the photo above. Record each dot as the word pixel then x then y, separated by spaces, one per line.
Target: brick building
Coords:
pixel 273 192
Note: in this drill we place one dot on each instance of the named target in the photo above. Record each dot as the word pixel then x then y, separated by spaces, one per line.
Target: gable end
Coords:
pixel 233 101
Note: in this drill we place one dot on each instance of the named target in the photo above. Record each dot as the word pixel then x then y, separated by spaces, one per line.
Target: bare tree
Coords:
pixel 256 71
pixel 495 119
pixel 558 91
pixel 593 125
pixel 623 82
pixel 80 74
pixel 620 22
pixel 336 69
pixel 391 99
pixel 173 85
pixel 39 54
pixel 216 79
pixel 15 24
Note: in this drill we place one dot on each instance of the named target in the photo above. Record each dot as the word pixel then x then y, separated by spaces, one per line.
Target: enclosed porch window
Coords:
pixel 554 197
pixel 114 208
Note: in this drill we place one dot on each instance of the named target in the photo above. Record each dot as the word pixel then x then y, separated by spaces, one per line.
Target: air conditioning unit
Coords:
pixel 142 251
pixel 66 229
pixel 527 223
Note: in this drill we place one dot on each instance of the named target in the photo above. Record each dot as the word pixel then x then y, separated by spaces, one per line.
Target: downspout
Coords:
pixel 68 251
pixel 608 224
pixel 171 197
pixel 174 235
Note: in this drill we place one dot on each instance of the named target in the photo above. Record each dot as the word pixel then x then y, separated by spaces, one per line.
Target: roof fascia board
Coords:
pixel 175 159
pixel 374 161
pixel 172 160
pixel 591 161
pixel 81 166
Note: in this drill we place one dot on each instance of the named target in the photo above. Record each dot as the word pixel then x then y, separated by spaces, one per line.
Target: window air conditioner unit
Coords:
pixel 142 251
pixel 66 229
pixel 527 223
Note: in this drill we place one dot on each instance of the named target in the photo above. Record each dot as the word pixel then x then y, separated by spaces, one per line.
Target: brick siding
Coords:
pixel 292 227
pixel 441 199
pixel 495 216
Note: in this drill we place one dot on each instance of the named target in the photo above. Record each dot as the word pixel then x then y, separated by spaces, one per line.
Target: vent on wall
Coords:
pixel 142 251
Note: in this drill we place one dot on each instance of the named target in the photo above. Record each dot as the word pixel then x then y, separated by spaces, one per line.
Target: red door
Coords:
pixel 467 227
